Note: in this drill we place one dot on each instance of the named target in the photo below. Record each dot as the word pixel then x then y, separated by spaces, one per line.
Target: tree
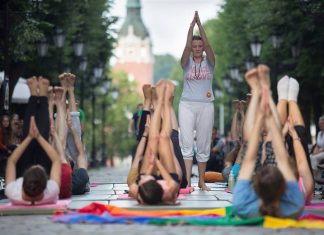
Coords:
pixel 78 18
pixel 241 21
pixel 163 65
pixel 119 143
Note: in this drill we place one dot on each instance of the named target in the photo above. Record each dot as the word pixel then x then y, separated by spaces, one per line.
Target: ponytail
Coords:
pixel 270 208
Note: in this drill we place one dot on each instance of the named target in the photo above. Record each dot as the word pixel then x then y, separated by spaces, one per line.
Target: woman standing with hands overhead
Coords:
pixel 196 109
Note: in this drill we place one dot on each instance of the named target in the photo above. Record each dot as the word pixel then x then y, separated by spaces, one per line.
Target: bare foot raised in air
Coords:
pixel 33 85
pixel 147 95
pixel 160 90
pixel 63 77
pixel 59 98
pixel 264 75
pixel 236 105
pixel 70 80
pixel 169 92
pixel 154 96
pixel 43 85
pixel 251 77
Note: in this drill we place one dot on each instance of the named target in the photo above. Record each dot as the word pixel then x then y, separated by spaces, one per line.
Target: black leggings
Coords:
pixel 142 122
pixel 34 153
pixel 178 154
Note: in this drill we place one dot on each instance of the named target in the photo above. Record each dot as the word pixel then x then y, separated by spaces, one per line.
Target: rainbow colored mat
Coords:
pixel 97 213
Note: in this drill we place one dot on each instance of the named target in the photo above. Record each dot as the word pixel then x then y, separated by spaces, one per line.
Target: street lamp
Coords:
pixel 42 47
pixel 97 72
pixel 82 67
pixel 227 82
pixel 249 64
pixel 78 46
pixel 103 90
pixel 295 51
pixel 276 40
pixel 235 72
pixel 59 39
pixel 255 47
pixel 114 96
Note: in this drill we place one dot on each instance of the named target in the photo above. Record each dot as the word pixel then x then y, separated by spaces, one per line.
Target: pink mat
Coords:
pixel 187 190
pixel 319 206
pixel 127 197
pixel 61 204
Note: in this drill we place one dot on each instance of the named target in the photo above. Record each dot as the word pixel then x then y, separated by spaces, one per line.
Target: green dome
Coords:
pixel 134 18
pixel 133 4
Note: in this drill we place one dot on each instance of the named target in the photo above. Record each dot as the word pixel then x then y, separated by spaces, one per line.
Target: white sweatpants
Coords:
pixel 200 117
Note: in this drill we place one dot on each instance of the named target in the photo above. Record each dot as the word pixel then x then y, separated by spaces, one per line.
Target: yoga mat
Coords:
pixel 316 206
pixel 187 190
pixel 9 209
pixel 97 214
pixel 125 196
pixel 275 223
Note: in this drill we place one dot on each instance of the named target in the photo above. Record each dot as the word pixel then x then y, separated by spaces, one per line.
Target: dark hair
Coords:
pixel 196 37
pixel 151 192
pixel 35 180
pixel 270 185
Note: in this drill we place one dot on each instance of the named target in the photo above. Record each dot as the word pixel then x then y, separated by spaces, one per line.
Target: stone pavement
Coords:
pixel 110 183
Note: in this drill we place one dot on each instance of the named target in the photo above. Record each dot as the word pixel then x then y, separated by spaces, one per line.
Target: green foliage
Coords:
pixel 89 20
pixel 118 142
pixel 241 21
pixel 163 65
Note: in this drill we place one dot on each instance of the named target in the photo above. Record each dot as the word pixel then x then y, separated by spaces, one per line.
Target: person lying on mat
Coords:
pixel 273 190
pixel 34 187
pixel 160 173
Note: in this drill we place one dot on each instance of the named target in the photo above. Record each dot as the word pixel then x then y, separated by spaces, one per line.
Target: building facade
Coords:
pixel 133 50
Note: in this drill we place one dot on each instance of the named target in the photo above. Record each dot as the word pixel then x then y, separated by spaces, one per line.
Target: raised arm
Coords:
pixel 187 50
pixel 207 47
pixel 279 149
pixel 14 157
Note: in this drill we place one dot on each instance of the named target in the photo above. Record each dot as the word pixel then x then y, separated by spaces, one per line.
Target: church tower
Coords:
pixel 134 47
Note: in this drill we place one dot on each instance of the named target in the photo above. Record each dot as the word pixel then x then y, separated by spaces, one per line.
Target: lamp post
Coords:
pixel 114 96
pixel 255 47
pixel 104 89
pixel 235 73
pixel 78 46
pixel 295 51
pixel 59 39
pixel 82 67
pixel 249 64
pixel 97 72
pixel 276 41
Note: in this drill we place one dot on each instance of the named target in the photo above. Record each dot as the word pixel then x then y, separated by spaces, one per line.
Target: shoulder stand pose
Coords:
pixel 273 190
pixel 196 109
pixel 33 188
pixel 159 157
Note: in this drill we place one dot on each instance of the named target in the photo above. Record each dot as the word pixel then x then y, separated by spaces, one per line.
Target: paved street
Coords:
pixel 42 224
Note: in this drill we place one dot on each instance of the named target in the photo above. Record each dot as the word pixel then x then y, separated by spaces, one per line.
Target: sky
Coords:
pixel 168 20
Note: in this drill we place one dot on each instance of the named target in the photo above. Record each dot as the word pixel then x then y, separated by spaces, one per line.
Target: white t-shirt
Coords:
pixel 14 193
pixel 197 81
